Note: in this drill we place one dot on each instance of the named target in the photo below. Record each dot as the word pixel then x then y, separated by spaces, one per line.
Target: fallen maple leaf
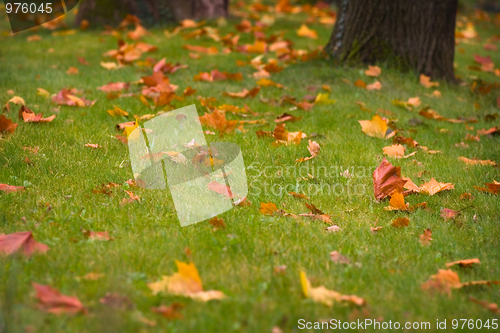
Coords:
pixel 52 301
pixel 400 222
pixel 373 71
pixel 396 151
pixel 387 180
pixel 11 188
pixel 493 188
pixel 376 127
pixel 432 187
pixel 22 242
pixel 475 162
pixel 268 208
pixel 324 99
pixel 397 202
pixel 218 121
pixel 449 214
pixel 464 262
pixel 314 150
pixel 217 222
pixel 446 280
pixel 426 81
pixel 169 312
pixel 117 112
pixel 67 97
pixel 304 31
pixel 186 282
pixel 298 195
pixel 374 86
pixel 426 239
pixel 263 82
pixel 490 306
pixel 337 258
pixel 72 71
pixel 221 189
pixel 29 116
pixel 97 235
pixel 16 100
pixel 93 145
pixel 117 301
pixel 360 84
pixel 112 87
pixel 243 94
pixel 322 295
pixel 6 125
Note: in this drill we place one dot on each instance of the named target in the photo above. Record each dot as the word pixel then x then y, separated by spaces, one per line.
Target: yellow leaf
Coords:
pixel 322 98
pixel 186 282
pixel 42 92
pixel 117 112
pixel 304 31
pixel 376 127
pixel 397 202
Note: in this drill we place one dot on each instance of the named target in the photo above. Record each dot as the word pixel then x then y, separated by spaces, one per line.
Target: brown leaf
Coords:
pixel 464 262
pixel 52 301
pixel 22 242
pixel 116 301
pixel 298 195
pixel 446 280
pixel 6 125
pixel 169 312
pixel 337 258
pixel 360 84
pixel 449 214
pixel 490 306
pixel 475 161
pixel 314 150
pixel 426 239
pixel 97 235
pixel 493 188
pixel 217 222
pixel 400 222
pixel 387 180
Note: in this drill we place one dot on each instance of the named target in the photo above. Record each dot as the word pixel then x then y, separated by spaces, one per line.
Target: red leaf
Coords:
pixel 10 188
pixel 51 300
pixel 6 125
pixel 386 180
pixel 21 242
pixel 221 189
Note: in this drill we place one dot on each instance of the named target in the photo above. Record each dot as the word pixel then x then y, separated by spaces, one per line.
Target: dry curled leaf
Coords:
pixel 446 280
pixel 387 180
pixel 464 262
pixel 217 222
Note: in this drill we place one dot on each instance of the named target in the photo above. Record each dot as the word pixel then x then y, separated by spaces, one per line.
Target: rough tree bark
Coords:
pixel 417 34
pixel 150 12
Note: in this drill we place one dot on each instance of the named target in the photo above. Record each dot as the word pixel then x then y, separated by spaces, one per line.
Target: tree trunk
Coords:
pixel 111 12
pixel 416 34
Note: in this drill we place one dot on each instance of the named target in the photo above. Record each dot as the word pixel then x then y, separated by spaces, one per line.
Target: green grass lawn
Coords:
pixel 239 260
